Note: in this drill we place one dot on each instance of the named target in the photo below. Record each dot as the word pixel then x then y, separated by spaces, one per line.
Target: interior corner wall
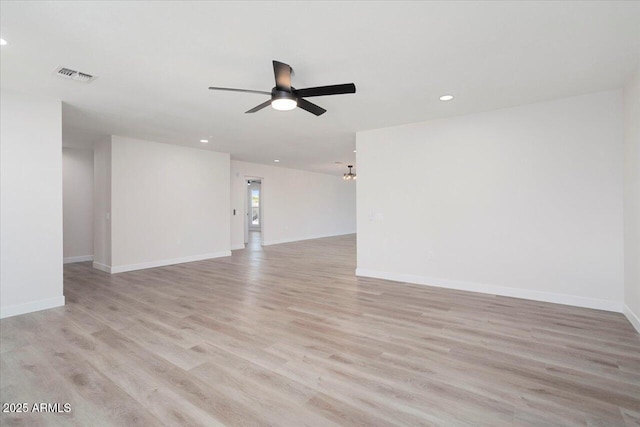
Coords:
pixel 102 204
pixel 296 205
pixel 169 204
pixel 30 203
pixel 631 96
pixel 77 202
pixel 523 202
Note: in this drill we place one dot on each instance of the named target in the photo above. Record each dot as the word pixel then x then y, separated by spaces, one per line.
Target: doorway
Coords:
pixel 253 211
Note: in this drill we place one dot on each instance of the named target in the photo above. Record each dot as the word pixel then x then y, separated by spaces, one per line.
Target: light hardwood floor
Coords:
pixel 286 335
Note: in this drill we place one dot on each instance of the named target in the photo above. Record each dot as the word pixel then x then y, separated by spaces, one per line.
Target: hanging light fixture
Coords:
pixel 349 175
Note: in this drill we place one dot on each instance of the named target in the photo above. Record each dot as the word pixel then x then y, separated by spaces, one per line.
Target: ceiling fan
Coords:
pixel 285 97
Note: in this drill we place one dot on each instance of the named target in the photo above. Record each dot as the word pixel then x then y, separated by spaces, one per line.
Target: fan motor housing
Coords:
pixel 282 94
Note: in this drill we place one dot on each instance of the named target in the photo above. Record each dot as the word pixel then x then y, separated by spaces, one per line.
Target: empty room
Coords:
pixel 323 213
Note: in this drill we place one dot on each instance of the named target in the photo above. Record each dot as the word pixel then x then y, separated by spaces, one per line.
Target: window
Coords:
pixel 255 207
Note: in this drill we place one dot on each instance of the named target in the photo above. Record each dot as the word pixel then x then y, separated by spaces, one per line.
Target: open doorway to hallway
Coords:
pixel 253 212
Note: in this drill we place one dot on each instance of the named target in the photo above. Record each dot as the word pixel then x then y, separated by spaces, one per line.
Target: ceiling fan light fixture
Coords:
pixel 282 100
pixel 285 97
pixel 284 104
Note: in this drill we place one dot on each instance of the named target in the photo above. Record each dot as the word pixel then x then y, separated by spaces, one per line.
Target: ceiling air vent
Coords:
pixel 74 75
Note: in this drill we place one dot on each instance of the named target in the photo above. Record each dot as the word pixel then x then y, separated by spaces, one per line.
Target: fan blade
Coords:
pixel 327 90
pixel 310 107
pixel 259 107
pixel 261 92
pixel 282 72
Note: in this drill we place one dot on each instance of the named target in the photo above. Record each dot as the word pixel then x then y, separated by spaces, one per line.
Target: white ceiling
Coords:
pixel 155 60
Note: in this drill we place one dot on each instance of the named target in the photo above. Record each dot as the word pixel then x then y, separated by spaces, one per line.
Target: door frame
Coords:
pixel 247 208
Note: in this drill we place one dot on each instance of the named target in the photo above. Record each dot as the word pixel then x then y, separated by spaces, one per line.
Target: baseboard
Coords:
pixel 634 319
pixel 165 262
pixel 102 267
pixel 237 247
pixel 298 239
pixel 30 307
pixel 577 301
pixel 82 258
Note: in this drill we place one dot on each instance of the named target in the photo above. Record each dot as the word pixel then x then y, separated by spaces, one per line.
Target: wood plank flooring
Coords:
pixel 286 335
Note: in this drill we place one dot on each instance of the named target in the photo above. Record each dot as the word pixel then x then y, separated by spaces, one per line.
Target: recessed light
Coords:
pixel 3 42
pixel 355 151
pixel 446 97
pixel 277 161
pixel 204 141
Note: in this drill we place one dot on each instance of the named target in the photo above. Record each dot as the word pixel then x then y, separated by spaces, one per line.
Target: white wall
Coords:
pixel 525 202
pixel 102 204
pixel 296 205
pixel 632 199
pixel 169 204
pixel 77 204
pixel 30 203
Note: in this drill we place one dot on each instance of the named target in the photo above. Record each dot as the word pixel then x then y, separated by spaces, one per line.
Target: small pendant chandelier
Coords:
pixel 349 175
